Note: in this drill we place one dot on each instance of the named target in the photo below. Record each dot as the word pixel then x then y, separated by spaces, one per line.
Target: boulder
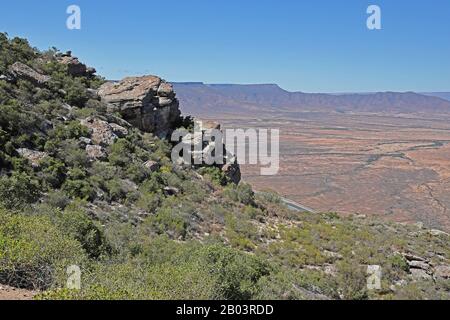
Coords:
pixel 119 131
pixel 411 257
pixel 171 191
pixel 233 172
pixel 152 165
pixel 6 78
pixel 34 157
pixel 95 152
pixel 419 265
pixel 333 255
pixel 21 71
pixel 85 141
pixel 92 94
pixel 147 102
pixel 419 274
pixel 166 90
pixel 437 233
pixel 101 131
pixel 442 272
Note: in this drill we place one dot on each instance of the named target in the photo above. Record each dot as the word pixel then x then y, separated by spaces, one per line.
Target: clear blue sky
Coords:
pixel 305 45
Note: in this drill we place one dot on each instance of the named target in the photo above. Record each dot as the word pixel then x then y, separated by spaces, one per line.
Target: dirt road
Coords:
pixel 9 293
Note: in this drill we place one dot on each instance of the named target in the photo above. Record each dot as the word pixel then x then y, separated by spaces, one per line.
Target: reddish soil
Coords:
pixel 391 166
pixel 9 293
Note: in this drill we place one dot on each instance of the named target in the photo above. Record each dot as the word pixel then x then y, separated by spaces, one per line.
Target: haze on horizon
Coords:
pixel 308 46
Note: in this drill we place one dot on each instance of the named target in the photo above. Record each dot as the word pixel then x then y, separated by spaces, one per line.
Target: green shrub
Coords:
pixel 71 130
pixel 120 153
pixel 154 184
pixel 72 155
pixel 76 185
pixel 77 224
pixel 216 175
pixel 236 273
pixel 297 285
pixel 149 201
pixel 352 280
pixel 185 271
pixel 18 191
pixel 141 281
pixel 137 172
pixel 242 193
pixel 168 221
pixel 57 199
pixel 34 252
pixel 52 172
pixel 270 197
pixel 398 262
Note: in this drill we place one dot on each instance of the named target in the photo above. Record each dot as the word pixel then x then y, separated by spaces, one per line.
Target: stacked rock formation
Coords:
pixel 148 103
pixel 74 66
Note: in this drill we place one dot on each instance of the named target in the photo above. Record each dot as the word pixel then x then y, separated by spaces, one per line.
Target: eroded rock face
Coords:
pixel 230 166
pixel 148 103
pixel 21 71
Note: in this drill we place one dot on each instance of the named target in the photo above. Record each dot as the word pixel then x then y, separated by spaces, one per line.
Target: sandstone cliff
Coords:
pixel 148 103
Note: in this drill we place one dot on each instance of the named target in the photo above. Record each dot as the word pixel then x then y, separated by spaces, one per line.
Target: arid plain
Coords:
pixel 392 166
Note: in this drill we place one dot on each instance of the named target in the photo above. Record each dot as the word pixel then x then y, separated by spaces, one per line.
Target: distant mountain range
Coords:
pixel 442 95
pixel 211 99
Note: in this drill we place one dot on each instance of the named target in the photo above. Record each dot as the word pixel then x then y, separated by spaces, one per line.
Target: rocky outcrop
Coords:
pixel 230 166
pixel 74 66
pixel 425 269
pixel 153 166
pixel 34 157
pixel 442 272
pixel 21 71
pixel 232 172
pixel 419 268
pixel 95 152
pixel 148 103
pixel 102 132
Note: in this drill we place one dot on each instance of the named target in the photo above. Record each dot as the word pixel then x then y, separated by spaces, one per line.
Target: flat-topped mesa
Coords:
pixel 147 102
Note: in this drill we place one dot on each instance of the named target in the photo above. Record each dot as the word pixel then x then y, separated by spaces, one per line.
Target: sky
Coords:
pixel 301 45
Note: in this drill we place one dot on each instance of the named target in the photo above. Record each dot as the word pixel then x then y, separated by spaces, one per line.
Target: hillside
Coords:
pixel 199 98
pixel 86 179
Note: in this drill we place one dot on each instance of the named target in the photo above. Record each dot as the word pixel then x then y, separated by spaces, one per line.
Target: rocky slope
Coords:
pixel 82 186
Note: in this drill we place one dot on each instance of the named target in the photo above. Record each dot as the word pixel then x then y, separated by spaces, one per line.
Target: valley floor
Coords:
pixel 396 167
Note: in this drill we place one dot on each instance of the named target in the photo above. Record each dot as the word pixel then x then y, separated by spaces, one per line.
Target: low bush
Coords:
pixel 34 252
pixel 18 191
